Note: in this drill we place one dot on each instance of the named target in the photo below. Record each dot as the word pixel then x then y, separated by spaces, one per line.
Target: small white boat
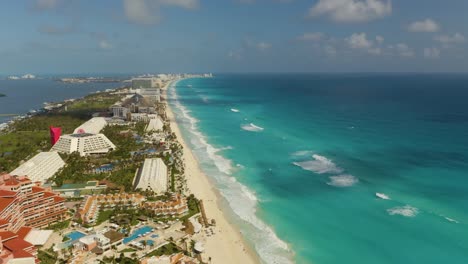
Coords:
pixel 382 196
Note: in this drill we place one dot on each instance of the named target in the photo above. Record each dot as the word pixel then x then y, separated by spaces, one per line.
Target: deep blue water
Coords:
pixel 25 95
pixel 300 158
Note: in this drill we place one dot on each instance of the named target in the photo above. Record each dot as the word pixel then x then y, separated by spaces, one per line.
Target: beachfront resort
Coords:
pixel 102 180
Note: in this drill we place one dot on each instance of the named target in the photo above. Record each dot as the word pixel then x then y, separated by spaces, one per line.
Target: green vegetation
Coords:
pixel 93 103
pixel 167 249
pixel 192 203
pixel 124 177
pixel 47 256
pixel 121 259
pixel 128 250
pixel 74 171
pixel 173 172
pixel 59 225
pixel 104 216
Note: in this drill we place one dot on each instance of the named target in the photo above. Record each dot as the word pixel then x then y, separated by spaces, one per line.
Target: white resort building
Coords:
pixel 152 175
pixel 155 124
pixel 84 144
pixel 40 167
pixel 92 126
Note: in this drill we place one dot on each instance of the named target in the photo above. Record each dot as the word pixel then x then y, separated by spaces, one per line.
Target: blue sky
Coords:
pixel 133 36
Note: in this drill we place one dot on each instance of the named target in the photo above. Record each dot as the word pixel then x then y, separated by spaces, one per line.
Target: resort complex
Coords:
pixel 113 190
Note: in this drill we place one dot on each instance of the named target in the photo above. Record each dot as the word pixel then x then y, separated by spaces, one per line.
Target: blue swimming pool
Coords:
pixel 137 233
pixel 75 235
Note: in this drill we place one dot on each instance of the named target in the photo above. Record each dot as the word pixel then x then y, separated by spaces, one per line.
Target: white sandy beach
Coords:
pixel 226 245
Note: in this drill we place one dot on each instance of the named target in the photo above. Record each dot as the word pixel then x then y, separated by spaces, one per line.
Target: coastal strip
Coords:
pixel 227 244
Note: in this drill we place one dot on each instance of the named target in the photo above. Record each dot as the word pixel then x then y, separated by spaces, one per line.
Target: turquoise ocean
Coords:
pixel 336 168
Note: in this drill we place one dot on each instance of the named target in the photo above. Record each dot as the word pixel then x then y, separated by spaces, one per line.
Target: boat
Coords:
pixel 382 196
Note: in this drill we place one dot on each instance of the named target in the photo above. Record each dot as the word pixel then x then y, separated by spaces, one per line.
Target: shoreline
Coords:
pixel 227 245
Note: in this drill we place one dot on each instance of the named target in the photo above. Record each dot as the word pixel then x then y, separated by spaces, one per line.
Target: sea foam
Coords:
pixel 319 164
pixel 252 127
pixel 407 211
pixel 241 199
pixel 344 180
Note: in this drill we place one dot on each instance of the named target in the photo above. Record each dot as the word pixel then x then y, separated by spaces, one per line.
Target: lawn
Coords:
pixel 104 216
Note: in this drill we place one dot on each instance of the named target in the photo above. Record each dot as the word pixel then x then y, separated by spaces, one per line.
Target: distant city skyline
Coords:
pixel 132 36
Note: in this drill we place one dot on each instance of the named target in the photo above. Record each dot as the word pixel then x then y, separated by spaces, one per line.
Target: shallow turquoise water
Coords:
pixel 300 158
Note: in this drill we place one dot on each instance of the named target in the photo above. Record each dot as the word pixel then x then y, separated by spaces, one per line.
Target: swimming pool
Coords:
pixel 137 233
pixel 75 235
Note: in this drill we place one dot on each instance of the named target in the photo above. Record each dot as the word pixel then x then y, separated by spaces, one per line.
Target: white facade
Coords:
pixel 92 126
pixel 84 144
pixel 40 167
pixel 155 124
pixel 152 175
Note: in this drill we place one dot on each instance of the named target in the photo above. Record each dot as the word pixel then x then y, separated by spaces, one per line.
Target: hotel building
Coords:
pixel 152 176
pixel 85 144
pixel 91 205
pixel 22 207
pixel 177 206
pixel 40 167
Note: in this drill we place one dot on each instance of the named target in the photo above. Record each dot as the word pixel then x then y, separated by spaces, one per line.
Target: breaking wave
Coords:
pixel 407 211
pixel 252 127
pixel 344 180
pixel 241 199
pixel 319 164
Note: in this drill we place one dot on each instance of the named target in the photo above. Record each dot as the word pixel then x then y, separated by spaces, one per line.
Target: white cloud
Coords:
pixel 311 36
pixel 403 50
pixel 379 39
pixel 427 25
pixel 457 38
pixel 352 10
pixel 148 12
pixel 104 44
pixel 262 46
pixel 431 53
pixel 359 41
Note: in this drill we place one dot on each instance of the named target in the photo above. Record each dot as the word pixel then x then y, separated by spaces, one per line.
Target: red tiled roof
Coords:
pixel 4 203
pixel 48 194
pixel 7 235
pixel 36 189
pixel 23 231
pixel 17 244
pixel 58 199
pixel 6 193
pixel 3 222
pixel 22 254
